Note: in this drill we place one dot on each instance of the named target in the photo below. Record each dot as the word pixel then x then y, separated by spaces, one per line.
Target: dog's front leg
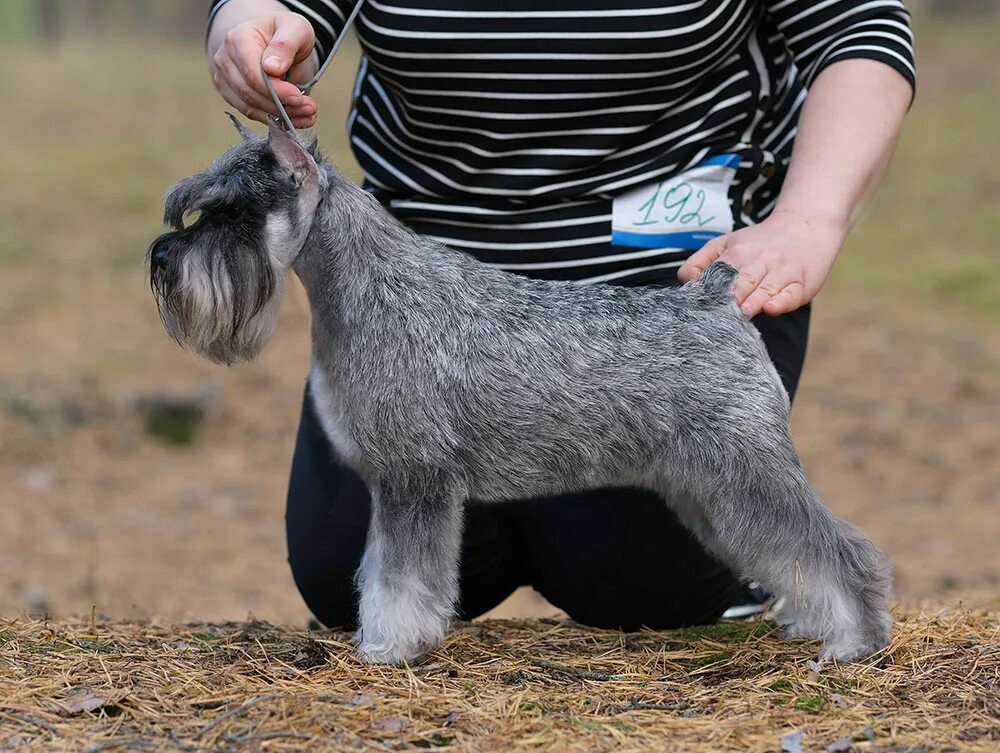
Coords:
pixel 408 579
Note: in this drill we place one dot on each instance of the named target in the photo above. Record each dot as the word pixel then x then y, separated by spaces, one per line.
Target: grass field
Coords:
pixel 896 421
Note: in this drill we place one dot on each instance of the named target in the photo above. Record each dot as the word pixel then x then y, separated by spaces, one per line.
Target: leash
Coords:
pixel 282 118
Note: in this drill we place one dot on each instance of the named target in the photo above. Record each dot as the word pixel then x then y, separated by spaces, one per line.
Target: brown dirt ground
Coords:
pixel 896 420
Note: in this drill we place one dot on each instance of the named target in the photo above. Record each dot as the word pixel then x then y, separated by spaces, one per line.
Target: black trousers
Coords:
pixel 614 558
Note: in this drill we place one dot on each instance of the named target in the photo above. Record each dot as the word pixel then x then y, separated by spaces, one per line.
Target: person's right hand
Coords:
pixel 283 42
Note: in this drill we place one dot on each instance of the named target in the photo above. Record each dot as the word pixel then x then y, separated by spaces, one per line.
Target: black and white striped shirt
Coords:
pixel 506 129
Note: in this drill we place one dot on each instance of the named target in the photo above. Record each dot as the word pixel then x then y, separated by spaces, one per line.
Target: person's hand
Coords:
pixel 283 42
pixel 782 261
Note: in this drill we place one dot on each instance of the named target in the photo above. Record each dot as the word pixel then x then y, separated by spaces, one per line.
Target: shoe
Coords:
pixel 754 601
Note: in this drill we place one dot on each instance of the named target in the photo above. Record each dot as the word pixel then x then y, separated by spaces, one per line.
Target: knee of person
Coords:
pixel 326 584
pixel 652 613
pixel 652 597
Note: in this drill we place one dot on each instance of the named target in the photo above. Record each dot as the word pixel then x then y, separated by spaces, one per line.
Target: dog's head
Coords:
pixel 217 278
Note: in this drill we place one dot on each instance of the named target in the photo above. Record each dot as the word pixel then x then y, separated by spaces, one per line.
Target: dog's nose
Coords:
pixel 159 252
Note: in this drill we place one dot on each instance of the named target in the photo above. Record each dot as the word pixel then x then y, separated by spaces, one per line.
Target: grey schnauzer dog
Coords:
pixel 440 380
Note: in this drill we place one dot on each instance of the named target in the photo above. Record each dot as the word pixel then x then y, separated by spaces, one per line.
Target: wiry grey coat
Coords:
pixel 441 380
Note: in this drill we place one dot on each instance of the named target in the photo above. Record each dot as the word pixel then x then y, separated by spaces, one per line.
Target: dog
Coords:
pixel 440 379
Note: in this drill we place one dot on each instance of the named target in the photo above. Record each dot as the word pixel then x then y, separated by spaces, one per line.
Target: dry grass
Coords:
pixel 497 685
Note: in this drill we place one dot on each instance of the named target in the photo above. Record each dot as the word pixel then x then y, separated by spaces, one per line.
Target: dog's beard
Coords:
pixel 220 300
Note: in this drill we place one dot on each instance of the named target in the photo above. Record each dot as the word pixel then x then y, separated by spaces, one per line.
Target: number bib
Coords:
pixel 685 211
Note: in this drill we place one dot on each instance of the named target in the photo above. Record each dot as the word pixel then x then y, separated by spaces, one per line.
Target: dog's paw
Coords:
pixel 847 650
pixel 387 652
pixel 859 642
pixel 401 622
pixel 371 653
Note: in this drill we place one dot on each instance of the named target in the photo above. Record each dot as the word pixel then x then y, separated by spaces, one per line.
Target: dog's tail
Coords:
pixel 716 283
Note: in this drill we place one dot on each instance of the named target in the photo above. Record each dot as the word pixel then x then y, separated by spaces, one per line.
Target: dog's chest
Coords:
pixel 331 419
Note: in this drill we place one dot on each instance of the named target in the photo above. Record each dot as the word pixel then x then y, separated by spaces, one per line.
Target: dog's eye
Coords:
pixel 230 214
pixel 213 213
pixel 233 213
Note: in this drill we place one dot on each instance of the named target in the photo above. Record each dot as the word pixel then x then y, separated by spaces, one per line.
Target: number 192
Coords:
pixel 679 201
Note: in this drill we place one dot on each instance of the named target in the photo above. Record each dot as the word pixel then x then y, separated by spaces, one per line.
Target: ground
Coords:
pixel 497 686
pixel 896 417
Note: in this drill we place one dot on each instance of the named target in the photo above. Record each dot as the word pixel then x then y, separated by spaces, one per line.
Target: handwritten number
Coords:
pixel 677 201
pixel 651 203
pixel 676 198
pixel 695 216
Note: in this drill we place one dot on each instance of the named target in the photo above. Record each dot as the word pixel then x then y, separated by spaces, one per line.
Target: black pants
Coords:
pixel 615 558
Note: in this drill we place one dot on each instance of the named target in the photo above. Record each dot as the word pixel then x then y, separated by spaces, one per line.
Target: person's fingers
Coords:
pixel 250 82
pixel 299 120
pixel 302 72
pixel 236 77
pixel 749 277
pixel 291 43
pixel 237 101
pixel 306 106
pixel 700 260
pixel 248 65
pixel 243 47
pixel 304 122
pixel 302 115
pixel 222 73
pixel 791 297
pixel 288 92
pixel 769 287
pixel 236 69
pixel 297 106
pixel 306 111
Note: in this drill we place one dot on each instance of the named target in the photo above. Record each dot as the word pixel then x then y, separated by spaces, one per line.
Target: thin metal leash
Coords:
pixel 282 118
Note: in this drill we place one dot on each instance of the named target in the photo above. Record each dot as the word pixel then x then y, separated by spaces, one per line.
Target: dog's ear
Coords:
pixel 245 133
pixel 289 152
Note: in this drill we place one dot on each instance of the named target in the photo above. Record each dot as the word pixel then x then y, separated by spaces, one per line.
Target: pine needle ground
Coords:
pixel 497 686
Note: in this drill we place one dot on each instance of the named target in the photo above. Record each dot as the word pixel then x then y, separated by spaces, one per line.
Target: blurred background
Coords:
pixel 148 483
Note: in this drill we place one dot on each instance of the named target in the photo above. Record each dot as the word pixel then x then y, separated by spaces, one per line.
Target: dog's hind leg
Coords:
pixel 408 578
pixel 760 515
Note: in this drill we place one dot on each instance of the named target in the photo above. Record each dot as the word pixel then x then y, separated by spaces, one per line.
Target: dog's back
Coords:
pixel 576 383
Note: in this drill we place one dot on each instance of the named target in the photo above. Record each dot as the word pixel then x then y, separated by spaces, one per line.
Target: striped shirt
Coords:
pixel 507 129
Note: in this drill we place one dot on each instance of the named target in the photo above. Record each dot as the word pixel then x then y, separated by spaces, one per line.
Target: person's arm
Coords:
pixel 246 33
pixel 848 129
pixel 856 59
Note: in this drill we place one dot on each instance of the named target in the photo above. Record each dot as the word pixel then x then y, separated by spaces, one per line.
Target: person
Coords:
pixel 628 142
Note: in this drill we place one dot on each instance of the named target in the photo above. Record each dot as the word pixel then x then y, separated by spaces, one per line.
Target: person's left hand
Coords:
pixel 782 261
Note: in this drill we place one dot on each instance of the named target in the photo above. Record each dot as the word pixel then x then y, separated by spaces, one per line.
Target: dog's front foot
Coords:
pixel 383 652
pixel 401 624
